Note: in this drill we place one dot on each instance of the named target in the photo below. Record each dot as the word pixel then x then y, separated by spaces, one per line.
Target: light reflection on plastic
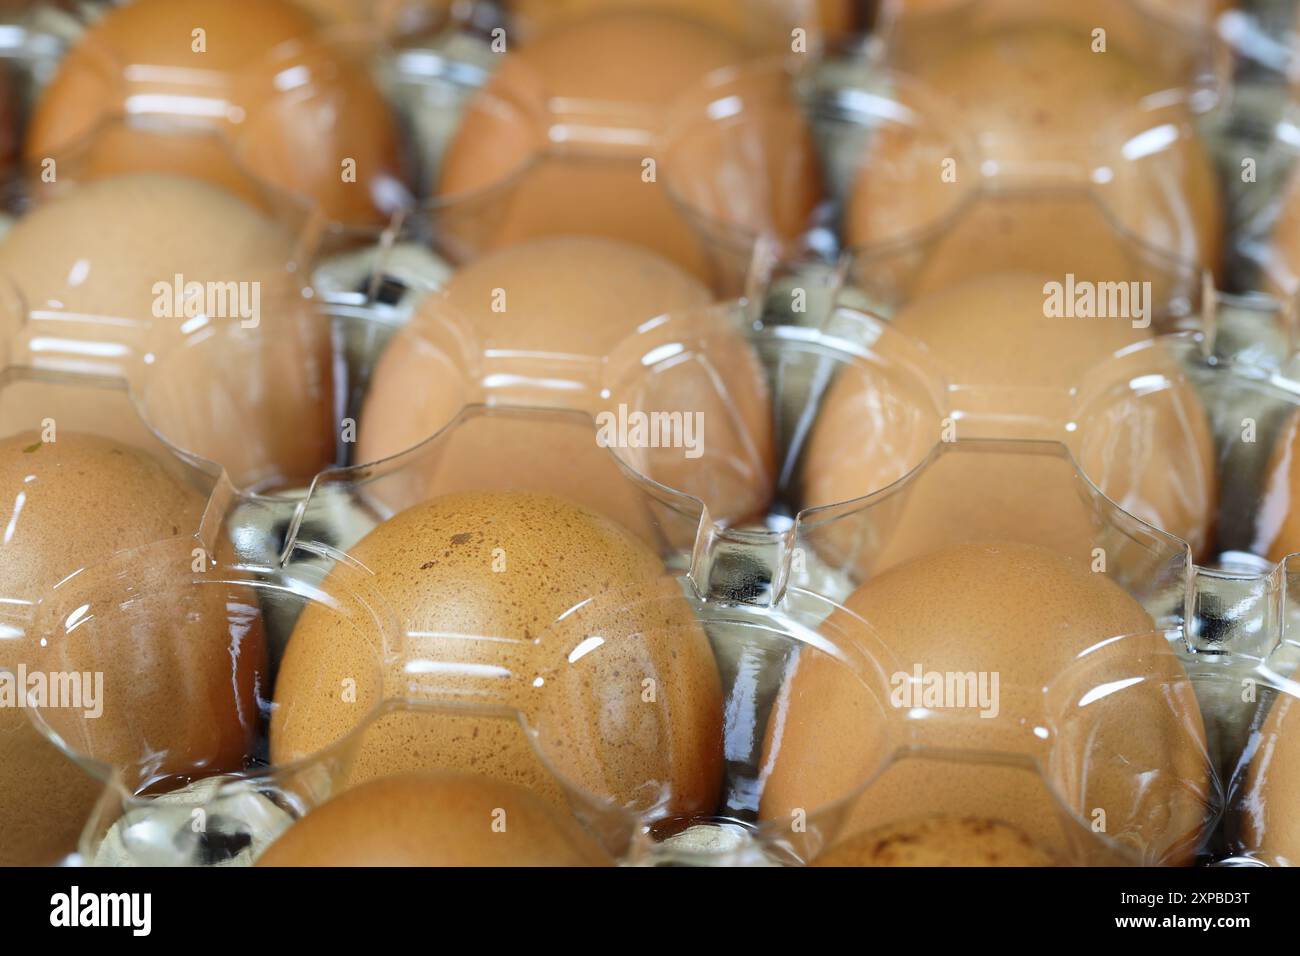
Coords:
pixel 585 648
pixel 97 349
pixel 292 78
pixel 1144 384
pixel 77 617
pixel 662 353
pixel 194 324
pixel 725 107
pixel 77 274
pixel 13 519
pixel 178 105
pixel 1151 141
pixel 1105 690
pixel 453 667
pixel 879 106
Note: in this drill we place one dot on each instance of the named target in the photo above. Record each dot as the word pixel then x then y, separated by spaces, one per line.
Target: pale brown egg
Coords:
pixel 1023 613
pixel 1150 449
pixel 555 310
pixel 1271 829
pixel 435 819
pixel 110 256
pixel 1049 117
pixel 291 109
pixel 610 80
pixel 517 602
pixel 938 841
pixel 185 707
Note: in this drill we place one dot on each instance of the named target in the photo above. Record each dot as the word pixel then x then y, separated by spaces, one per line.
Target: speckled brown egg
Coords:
pixel 570 302
pixel 530 604
pixel 435 819
pixel 619 73
pixel 1271 827
pixel 110 252
pixel 184 707
pixel 291 108
pixel 1150 450
pixel 938 841
pixel 1055 119
pixel 1023 613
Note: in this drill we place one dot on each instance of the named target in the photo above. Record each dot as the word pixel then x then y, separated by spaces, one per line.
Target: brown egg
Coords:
pixel 1271 828
pixel 938 841
pixel 291 109
pixel 555 309
pixel 435 819
pixel 625 69
pixel 114 250
pixel 1056 119
pixel 1150 450
pixel 1277 523
pixel 186 707
pixel 524 602
pixel 1023 613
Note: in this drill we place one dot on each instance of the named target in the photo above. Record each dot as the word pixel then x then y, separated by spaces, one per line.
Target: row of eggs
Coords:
pixel 677 288
pixel 737 153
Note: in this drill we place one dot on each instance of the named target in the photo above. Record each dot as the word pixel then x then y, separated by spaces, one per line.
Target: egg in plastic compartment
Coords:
pixel 147 79
pixel 435 819
pixel 1015 373
pixel 583 323
pixel 498 597
pixel 1022 615
pixel 591 98
pixel 1087 138
pixel 88 512
pixel 116 279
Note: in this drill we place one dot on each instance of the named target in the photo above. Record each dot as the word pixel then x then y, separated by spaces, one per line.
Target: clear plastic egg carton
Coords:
pixel 635 708
pixel 763 576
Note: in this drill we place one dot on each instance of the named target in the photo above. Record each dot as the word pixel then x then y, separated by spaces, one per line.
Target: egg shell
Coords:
pixel 1047 111
pixel 570 302
pixel 938 841
pixel 625 68
pixel 80 500
pixel 1152 453
pixel 567 575
pixel 1024 613
pixel 427 819
pixel 295 138
pixel 1271 824
pixel 107 250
